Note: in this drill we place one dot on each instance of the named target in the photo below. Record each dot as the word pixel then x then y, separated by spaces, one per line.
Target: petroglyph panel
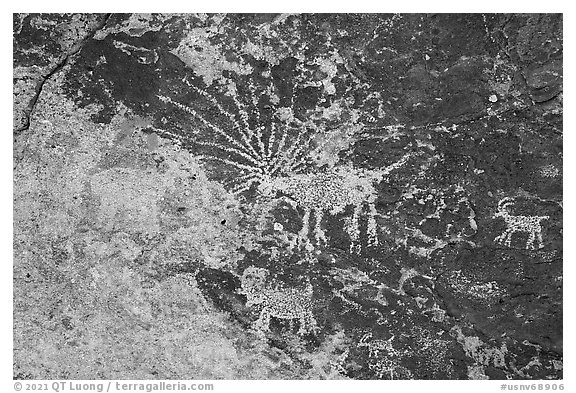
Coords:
pixel 288 196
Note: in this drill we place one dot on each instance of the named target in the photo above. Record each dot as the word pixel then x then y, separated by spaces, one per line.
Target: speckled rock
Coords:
pixel 274 196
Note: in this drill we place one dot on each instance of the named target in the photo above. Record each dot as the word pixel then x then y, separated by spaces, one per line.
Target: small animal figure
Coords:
pixel 283 303
pixel 527 224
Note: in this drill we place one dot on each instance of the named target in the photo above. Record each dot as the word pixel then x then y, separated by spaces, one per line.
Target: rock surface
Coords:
pixel 288 196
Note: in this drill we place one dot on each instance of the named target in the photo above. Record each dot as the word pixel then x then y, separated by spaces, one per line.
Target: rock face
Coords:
pixel 288 196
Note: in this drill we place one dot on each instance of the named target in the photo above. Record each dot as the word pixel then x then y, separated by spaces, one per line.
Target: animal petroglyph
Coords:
pixel 276 301
pixel 275 158
pixel 524 224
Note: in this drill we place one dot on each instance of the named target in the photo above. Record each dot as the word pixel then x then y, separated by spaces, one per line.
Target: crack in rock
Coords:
pixel 57 67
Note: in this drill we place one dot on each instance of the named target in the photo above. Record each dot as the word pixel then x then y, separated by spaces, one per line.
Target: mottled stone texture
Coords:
pixel 288 196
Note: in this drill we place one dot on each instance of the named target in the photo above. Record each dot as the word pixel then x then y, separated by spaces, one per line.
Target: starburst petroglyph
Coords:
pixel 274 156
pixel 278 302
pixel 257 149
pixel 526 224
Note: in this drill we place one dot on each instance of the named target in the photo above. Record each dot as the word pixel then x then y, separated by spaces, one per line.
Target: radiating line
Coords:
pixel 257 163
pixel 273 132
pixel 285 158
pixel 244 187
pixel 226 161
pixel 214 101
pixel 240 180
pixel 240 107
pixel 255 100
pixel 280 146
pixel 205 122
pixel 301 149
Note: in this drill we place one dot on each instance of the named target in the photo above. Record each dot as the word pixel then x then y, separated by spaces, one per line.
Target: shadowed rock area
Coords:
pixel 282 196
